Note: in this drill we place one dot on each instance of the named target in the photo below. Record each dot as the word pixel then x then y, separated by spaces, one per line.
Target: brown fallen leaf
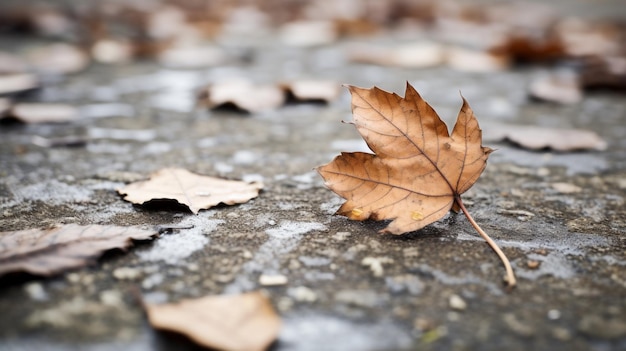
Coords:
pixel 192 190
pixel 245 322
pixel 560 88
pixel 51 251
pixel 604 72
pixel 417 172
pixel 312 90
pixel 536 138
pixel 242 94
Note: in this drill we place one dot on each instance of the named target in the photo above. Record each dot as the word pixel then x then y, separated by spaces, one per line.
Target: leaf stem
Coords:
pixel 510 276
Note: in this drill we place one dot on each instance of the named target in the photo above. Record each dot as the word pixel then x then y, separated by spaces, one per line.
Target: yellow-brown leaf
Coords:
pixel 417 170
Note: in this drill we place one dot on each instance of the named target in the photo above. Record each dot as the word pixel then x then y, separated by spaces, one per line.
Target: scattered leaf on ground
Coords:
pixel 242 94
pixel 415 55
pixel 536 138
pixel 192 190
pixel 604 72
pixel 470 60
pixel 566 188
pixel 312 90
pixel 15 83
pixel 560 88
pixel 308 33
pixel 587 38
pixel 112 51
pixel 44 113
pixel 51 251
pixel 59 58
pixel 228 322
pixel 417 172
pixel 5 107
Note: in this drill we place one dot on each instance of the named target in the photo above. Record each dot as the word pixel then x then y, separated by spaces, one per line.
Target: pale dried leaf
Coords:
pixel 470 60
pixel 313 90
pixel 536 138
pixel 15 83
pixel 243 94
pixel 192 190
pixel 44 113
pixel 5 106
pixel 414 55
pixel 560 88
pixel 418 169
pixel 60 58
pixel 308 33
pixel 245 322
pixel 112 51
pixel 50 251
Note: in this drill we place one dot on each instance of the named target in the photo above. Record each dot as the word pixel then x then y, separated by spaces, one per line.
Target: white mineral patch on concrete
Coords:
pixel 55 192
pixel 283 239
pixel 331 206
pixel 320 332
pixel 173 248
pixel 554 264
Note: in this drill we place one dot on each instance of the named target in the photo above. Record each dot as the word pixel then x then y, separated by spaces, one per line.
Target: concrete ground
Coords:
pixel 439 289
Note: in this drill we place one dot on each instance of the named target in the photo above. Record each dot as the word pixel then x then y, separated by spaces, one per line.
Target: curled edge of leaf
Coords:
pixel 27 251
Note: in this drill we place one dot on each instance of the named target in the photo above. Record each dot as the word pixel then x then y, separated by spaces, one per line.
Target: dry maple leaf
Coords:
pixel 418 171
pixel 50 251
pixel 234 322
pixel 195 191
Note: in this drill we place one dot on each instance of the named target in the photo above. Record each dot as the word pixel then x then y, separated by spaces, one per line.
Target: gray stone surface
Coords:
pixel 140 117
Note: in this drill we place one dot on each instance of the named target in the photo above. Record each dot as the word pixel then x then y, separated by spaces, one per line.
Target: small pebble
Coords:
pixel 341 236
pixel 302 294
pixel 423 324
pixel 543 172
pixel 457 303
pixel 126 273
pixel 554 314
pixel 111 298
pixel 561 334
pixel 376 264
pixel 566 188
pixel 272 279
pixel 284 304
pixel 36 291
pixel 532 264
